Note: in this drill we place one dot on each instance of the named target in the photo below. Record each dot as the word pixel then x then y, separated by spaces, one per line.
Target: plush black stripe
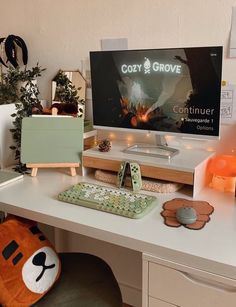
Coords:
pixel 16 259
pixel 10 249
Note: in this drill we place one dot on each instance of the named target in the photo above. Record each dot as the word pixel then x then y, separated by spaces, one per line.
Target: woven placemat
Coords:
pixel 154 185
pixel 203 208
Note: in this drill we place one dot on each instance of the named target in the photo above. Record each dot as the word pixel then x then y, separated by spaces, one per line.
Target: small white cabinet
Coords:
pixel 168 284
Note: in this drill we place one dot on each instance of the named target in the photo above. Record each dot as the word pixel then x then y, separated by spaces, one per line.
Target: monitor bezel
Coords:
pixel 161 133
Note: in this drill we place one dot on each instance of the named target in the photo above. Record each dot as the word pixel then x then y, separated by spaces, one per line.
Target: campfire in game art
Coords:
pixel 135 112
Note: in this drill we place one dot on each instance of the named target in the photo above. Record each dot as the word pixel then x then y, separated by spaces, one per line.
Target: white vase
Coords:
pixel 6 140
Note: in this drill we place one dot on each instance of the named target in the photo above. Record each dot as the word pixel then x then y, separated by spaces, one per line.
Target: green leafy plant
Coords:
pixel 8 86
pixel 27 100
pixel 18 86
pixel 65 90
pixel 9 60
pixel 13 80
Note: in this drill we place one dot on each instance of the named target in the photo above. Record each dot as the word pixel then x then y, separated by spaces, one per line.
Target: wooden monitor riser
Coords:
pixel 188 167
pixel 147 171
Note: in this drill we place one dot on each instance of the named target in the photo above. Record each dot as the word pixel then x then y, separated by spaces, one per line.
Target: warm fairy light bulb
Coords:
pixel 112 136
pixel 188 146
pixel 169 137
pixel 129 138
pixel 210 149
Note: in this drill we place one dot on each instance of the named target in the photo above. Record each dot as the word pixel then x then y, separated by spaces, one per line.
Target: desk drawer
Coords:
pixel 187 289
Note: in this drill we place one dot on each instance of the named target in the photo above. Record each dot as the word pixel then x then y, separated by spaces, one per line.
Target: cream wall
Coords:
pixel 60 34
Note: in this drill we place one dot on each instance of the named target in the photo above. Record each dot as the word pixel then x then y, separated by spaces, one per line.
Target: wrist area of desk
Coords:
pixel 36 198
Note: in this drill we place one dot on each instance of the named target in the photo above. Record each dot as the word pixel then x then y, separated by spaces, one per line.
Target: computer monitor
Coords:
pixel 174 91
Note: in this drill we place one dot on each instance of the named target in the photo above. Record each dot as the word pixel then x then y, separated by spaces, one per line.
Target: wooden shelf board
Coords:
pixel 147 171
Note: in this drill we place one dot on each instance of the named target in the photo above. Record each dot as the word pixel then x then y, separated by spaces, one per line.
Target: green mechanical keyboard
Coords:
pixel 112 200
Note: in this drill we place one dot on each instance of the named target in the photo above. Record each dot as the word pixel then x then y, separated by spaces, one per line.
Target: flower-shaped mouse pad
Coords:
pixel 203 209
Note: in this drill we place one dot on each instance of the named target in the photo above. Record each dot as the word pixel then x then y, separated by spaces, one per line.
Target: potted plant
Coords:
pixel 8 89
pixel 66 97
pixel 18 92
pixel 26 103
pixel 9 58
pixel 9 61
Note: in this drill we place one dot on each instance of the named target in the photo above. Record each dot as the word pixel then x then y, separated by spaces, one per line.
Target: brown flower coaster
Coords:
pixel 203 208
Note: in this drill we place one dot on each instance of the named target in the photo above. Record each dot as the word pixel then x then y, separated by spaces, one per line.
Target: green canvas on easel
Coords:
pixel 51 140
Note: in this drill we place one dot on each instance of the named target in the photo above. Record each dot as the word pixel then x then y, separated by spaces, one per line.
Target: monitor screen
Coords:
pixel 168 91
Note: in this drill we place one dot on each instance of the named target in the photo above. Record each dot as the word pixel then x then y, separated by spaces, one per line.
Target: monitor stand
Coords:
pixel 160 150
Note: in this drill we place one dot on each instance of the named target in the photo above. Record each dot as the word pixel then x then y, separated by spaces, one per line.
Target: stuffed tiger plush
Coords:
pixel 29 265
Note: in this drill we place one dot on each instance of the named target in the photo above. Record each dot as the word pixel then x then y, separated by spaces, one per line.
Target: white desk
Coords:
pixel 212 249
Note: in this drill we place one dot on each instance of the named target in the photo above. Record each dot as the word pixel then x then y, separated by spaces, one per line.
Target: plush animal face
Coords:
pixel 29 266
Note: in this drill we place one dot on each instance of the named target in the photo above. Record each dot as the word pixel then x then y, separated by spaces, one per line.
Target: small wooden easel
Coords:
pixel 35 167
